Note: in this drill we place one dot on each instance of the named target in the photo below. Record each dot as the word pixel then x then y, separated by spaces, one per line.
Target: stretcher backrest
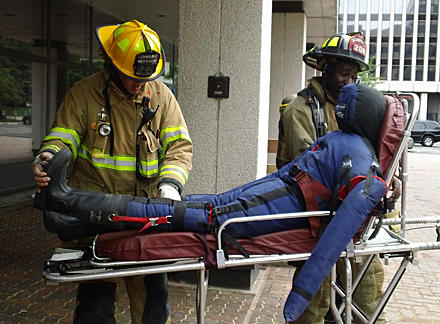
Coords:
pixel 391 132
pixel 388 142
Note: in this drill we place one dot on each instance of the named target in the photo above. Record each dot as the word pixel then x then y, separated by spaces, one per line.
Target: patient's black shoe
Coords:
pixel 88 206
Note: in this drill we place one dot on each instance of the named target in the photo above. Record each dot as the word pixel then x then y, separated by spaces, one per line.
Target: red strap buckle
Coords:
pixel 148 221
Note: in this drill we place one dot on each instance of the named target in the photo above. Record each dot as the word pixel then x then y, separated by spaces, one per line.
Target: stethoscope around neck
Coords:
pixel 106 129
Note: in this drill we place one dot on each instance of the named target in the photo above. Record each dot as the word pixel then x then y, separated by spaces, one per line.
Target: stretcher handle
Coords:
pixel 266 218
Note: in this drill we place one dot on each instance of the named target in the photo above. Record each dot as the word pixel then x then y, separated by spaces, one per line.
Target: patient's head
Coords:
pixel 360 109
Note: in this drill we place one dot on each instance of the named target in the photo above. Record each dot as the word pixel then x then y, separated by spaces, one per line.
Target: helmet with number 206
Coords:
pixel 348 47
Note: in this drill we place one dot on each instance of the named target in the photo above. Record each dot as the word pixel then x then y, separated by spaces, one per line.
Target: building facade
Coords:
pixel 404 45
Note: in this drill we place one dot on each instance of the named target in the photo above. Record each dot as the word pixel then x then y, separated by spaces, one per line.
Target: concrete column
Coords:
pixel 38 104
pixel 310 73
pixel 287 69
pixel 423 112
pixel 43 100
pixel 229 38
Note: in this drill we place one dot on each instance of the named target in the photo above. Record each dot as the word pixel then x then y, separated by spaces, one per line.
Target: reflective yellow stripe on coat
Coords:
pixel 120 162
pixel 67 136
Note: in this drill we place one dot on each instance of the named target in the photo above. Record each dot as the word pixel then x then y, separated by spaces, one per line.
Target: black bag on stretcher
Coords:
pixel 339 172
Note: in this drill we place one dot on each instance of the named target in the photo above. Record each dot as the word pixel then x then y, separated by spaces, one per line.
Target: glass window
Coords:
pixel 421 28
pixel 409 6
pixel 362 27
pixel 383 72
pixel 432 115
pixel 418 126
pixel 407 72
pixel 340 24
pixel 375 7
pixel 15 108
pixel 373 26
pixel 431 72
pixel 372 49
pixel 396 50
pixel 408 50
pixel 171 66
pixel 385 28
pixel 386 9
pixel 362 7
pixel 420 51
pixel 432 50
pixel 422 6
pixel 24 48
pixel 384 51
pixel 350 18
pixel 70 33
pixel 397 29
pixel 15 86
pixel 351 6
pixel 341 6
pixel 22 22
pixel 398 7
pixel 433 28
pixel 395 72
pixel 434 6
pixel 409 27
pixel 24 62
pixel 419 72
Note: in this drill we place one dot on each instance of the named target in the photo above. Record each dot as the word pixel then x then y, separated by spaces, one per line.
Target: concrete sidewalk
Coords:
pixel 25 245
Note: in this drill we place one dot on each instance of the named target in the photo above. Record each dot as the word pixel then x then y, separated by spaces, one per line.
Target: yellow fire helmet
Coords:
pixel 134 49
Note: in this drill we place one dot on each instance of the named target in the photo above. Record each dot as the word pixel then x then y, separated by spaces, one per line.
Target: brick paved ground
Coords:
pixel 417 298
pixel 25 298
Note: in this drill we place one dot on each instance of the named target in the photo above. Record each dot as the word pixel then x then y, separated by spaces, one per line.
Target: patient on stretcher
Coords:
pixel 339 172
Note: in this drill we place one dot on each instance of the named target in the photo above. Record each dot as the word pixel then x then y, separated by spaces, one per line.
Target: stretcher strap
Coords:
pixel 227 238
pixel 179 215
pixel 148 221
pixel 255 201
pixel 311 188
pixel 303 293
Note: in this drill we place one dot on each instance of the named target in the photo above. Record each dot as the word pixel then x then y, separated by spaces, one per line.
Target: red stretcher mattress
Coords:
pixel 135 246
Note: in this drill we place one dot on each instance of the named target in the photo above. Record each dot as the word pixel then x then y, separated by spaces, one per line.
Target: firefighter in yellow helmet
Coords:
pixel 128 136
pixel 310 115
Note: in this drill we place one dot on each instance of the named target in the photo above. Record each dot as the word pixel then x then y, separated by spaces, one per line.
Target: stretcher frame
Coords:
pixel 74 266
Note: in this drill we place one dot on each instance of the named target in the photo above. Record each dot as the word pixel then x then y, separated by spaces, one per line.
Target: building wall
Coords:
pixel 287 75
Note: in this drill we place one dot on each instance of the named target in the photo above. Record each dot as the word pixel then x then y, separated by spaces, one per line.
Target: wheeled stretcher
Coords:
pixel 130 253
